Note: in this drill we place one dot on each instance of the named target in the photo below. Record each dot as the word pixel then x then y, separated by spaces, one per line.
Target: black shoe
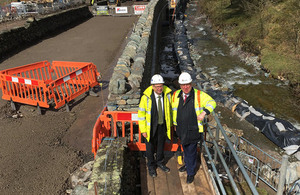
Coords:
pixel 164 168
pixel 152 172
pixel 190 179
pixel 182 169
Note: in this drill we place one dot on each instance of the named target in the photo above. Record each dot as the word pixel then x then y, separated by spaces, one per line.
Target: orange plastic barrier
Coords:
pixel 111 124
pixel 40 83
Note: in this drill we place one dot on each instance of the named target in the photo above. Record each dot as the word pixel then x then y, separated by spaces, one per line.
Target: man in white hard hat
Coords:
pixel 155 122
pixel 189 109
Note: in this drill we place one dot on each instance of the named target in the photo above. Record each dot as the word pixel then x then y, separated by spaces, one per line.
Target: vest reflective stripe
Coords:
pixel 208 105
pixel 198 108
pixel 144 112
pixel 169 97
pixel 142 109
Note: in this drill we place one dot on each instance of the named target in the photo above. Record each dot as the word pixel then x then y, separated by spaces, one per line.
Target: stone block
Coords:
pixel 117 84
pixel 140 58
pixel 123 61
pixel 121 102
pixel 135 38
pixel 133 101
pixel 125 97
pixel 130 51
pixel 111 107
pixel 122 69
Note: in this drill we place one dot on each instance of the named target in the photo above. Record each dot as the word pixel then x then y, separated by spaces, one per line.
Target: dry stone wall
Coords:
pixel 114 172
pixel 36 28
pixel 132 72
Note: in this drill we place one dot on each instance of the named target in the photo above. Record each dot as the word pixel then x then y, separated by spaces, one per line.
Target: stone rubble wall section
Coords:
pixel 109 167
pixel 36 28
pixel 126 82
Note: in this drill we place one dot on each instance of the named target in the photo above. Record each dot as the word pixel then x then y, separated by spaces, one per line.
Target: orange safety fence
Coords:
pixel 40 83
pixel 112 124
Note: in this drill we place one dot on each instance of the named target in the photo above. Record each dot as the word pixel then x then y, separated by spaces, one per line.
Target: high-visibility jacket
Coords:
pixel 206 102
pixel 144 112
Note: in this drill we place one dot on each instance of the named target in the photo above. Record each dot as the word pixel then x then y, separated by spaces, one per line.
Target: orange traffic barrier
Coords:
pixel 111 124
pixel 41 83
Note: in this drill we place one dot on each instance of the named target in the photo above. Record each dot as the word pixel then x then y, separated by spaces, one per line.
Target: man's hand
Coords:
pixel 145 135
pixel 201 116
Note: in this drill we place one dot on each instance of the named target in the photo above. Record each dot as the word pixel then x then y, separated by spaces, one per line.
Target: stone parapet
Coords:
pixel 131 73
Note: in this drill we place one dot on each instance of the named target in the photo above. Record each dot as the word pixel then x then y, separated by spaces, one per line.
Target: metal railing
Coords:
pixel 252 164
pixel 259 163
pixel 219 155
pixel 269 166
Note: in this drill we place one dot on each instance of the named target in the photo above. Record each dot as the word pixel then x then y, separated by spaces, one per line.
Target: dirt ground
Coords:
pixel 38 152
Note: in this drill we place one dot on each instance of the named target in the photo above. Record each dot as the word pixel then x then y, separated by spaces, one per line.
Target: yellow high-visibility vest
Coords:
pixel 202 101
pixel 144 112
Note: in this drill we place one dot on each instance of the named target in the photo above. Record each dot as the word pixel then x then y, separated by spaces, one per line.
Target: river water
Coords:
pixel 247 81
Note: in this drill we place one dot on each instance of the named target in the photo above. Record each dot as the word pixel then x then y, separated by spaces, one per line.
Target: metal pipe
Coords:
pixel 214 169
pixel 235 188
pixel 283 169
pixel 257 148
pixel 217 139
pixel 238 161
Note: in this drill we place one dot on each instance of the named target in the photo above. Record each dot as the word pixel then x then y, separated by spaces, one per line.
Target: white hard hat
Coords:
pixel 185 78
pixel 157 79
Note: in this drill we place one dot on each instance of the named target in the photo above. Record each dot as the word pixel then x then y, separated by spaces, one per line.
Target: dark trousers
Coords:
pixel 190 157
pixel 156 142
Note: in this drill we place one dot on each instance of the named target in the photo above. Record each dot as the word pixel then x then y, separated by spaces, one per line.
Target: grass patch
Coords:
pixel 281 65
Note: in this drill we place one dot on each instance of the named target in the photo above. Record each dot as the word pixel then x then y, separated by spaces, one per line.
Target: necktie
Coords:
pixel 185 96
pixel 160 114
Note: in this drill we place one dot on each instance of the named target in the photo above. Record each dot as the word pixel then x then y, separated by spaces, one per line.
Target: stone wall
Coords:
pixel 133 70
pixel 36 28
pixel 114 169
